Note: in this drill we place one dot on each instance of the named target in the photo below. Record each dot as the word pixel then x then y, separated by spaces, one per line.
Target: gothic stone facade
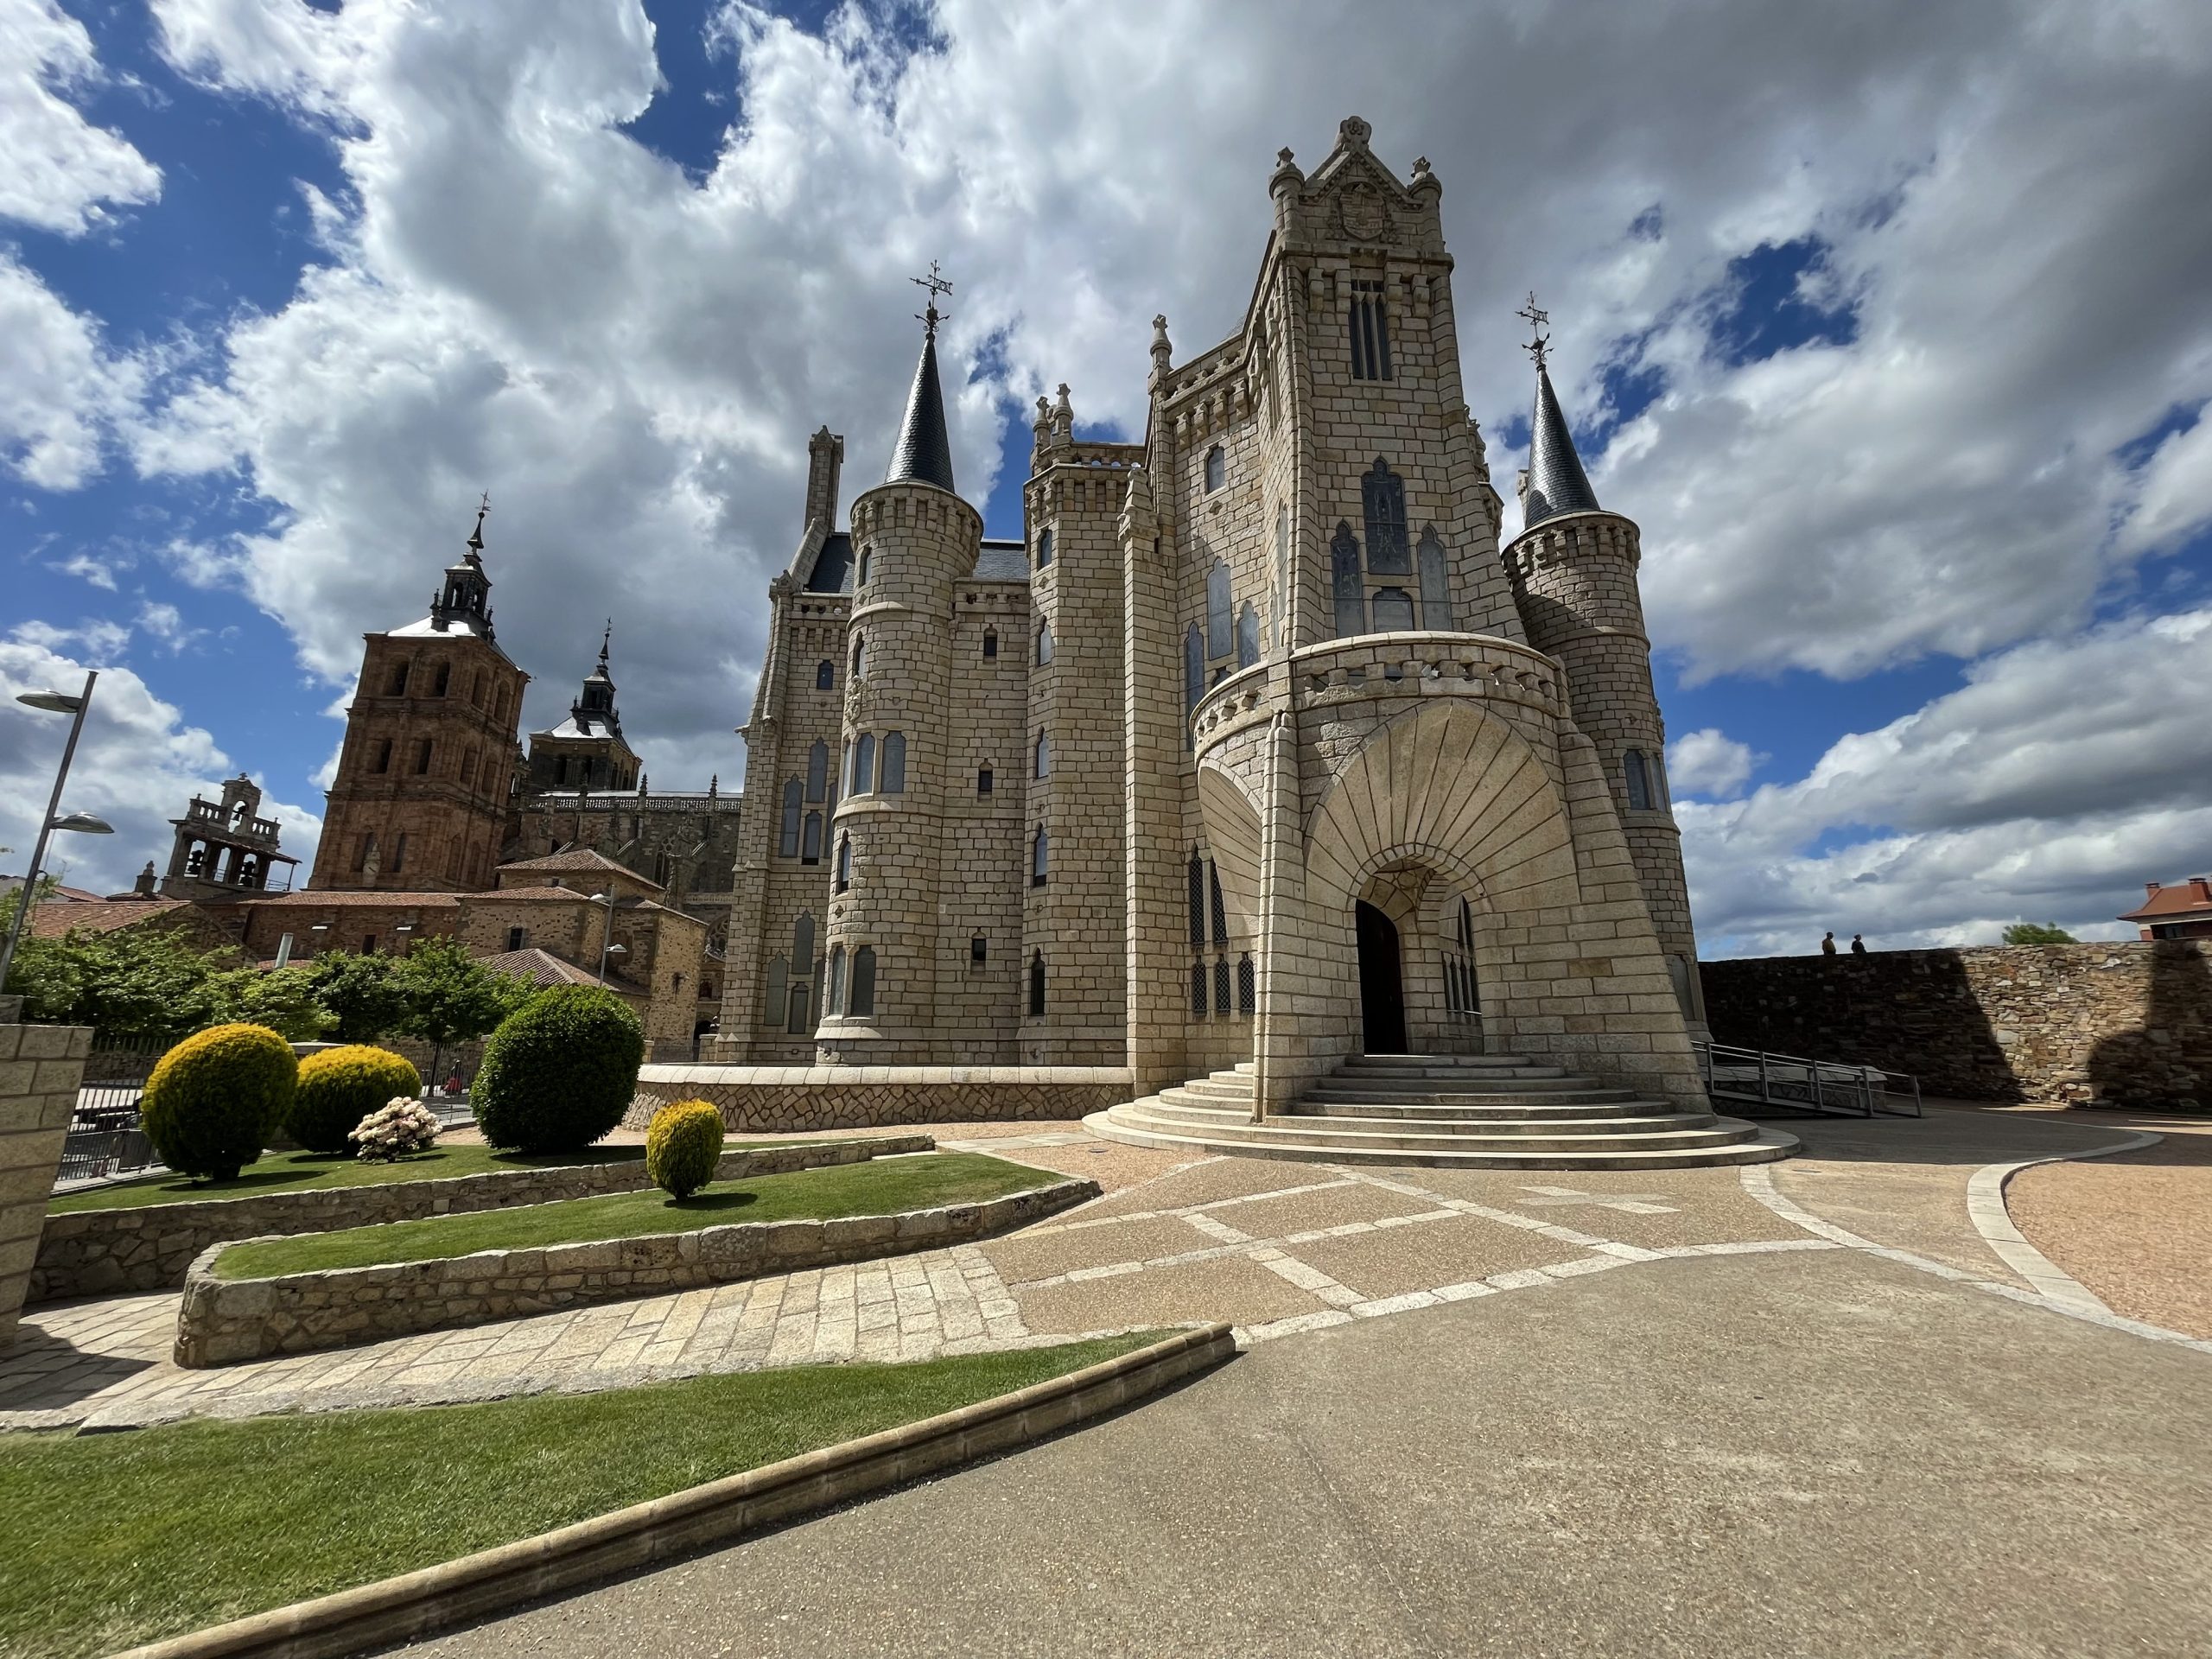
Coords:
pixel 1258 745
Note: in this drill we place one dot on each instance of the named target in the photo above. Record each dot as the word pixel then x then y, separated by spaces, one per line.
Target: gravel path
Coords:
pixel 2135 1228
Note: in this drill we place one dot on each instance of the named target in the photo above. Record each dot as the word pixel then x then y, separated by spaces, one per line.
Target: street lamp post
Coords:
pixel 54 702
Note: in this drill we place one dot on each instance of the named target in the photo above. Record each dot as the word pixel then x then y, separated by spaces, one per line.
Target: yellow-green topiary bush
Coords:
pixel 339 1087
pixel 214 1100
pixel 682 1145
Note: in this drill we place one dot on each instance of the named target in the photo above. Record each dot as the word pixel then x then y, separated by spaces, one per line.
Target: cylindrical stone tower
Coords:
pixel 1573 570
pixel 913 539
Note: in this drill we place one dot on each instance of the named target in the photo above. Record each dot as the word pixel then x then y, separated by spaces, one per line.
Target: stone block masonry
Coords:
pixel 223 1321
pixel 2127 1024
pixel 113 1252
pixel 800 1099
pixel 40 1068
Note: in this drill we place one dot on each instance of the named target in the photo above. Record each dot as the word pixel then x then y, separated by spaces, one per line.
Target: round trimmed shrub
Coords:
pixel 559 1071
pixel 682 1145
pixel 213 1100
pixel 339 1087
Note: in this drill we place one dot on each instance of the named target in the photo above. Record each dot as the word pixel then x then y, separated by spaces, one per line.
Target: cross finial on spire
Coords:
pixel 937 285
pixel 603 639
pixel 1536 346
pixel 476 535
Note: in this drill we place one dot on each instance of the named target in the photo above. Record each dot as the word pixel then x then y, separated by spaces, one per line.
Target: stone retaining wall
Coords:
pixel 110 1252
pixel 40 1066
pixel 806 1098
pixel 2127 1023
pixel 224 1321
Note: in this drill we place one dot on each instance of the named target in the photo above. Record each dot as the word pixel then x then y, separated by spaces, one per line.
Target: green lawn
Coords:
pixel 300 1171
pixel 882 1187
pixel 119 1539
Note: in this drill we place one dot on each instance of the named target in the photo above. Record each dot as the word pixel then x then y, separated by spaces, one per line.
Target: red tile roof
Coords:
pixel 2178 902
pixel 52 921
pixel 310 898
pixel 543 967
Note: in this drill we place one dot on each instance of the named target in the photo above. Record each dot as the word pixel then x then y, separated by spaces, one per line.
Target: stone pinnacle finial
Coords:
pixel 476 535
pixel 1163 351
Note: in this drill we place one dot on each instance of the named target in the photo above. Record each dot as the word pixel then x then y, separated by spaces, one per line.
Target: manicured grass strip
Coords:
pixel 119 1539
pixel 882 1187
pixel 301 1172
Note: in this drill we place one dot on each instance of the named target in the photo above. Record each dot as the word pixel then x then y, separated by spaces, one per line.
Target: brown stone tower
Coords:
pixel 420 797
pixel 1573 568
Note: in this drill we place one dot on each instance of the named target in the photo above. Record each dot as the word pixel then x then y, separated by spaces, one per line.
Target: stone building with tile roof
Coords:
pixel 1258 750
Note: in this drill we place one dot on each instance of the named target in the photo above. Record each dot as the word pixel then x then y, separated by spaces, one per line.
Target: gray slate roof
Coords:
pixel 1556 481
pixel 924 450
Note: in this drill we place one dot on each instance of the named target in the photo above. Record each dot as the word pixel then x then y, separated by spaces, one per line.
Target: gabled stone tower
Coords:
pixel 425 775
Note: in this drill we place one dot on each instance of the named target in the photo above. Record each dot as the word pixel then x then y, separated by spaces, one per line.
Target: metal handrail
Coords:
pixel 1793 1083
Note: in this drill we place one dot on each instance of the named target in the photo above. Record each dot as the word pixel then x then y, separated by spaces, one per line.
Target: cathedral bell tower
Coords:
pixel 587 751
pixel 419 802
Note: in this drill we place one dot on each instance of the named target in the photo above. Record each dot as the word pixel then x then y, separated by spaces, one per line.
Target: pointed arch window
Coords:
pixel 1221 986
pixel 1639 782
pixel 444 678
pixel 1043 547
pixel 803 944
pixel 1394 610
pixel 863 763
pixel 893 781
pixel 810 845
pixel 774 1001
pixel 1196 873
pixel 1037 986
pixel 982 780
pixel 1044 644
pixel 788 845
pixel 1044 755
pixel 864 980
pixel 825 675
pixel 1218 911
pixel 1346 587
pixel 1371 333
pixel 1218 640
pixel 868 558
pixel 844 868
pixel 1216 468
pixel 1435 583
pixel 797 1026
pixel 1462 998
pixel 1383 503
pixel 1248 986
pixel 859 657
pixel 990 642
pixel 1197 990
pixel 817 771
pixel 834 1005
pixel 1247 636
pixel 1040 856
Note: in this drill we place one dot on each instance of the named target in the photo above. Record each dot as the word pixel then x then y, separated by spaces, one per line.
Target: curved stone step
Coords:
pixel 1750 1144
pixel 1339 1088
pixel 1579 1134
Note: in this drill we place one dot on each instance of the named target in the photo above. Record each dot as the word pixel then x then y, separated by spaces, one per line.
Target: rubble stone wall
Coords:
pixel 2127 1023
pixel 797 1099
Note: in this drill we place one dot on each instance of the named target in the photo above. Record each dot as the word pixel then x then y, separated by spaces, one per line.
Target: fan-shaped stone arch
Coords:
pixel 1232 822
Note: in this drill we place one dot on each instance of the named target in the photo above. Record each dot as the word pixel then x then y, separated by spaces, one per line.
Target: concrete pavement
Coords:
pixel 1818 1453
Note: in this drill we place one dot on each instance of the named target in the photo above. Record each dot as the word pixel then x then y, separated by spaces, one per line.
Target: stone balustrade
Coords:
pixel 224 1321
pixel 151 1247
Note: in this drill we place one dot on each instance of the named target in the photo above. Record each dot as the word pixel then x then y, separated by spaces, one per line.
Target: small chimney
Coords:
pixel 2149 889
pixel 2202 884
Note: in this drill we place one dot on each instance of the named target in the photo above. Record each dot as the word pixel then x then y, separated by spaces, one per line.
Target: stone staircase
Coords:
pixel 1487 1111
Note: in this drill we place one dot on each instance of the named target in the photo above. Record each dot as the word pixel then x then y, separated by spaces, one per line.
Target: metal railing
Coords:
pixel 104 1138
pixel 1789 1083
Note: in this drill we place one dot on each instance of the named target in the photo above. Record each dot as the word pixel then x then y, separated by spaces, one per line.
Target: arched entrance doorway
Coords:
pixel 1381 992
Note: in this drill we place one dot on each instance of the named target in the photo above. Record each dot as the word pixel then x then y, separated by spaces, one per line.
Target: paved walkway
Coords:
pixel 1276 1248
pixel 1815 1452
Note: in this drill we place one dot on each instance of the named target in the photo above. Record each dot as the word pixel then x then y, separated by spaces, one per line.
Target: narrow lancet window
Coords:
pixel 1348 590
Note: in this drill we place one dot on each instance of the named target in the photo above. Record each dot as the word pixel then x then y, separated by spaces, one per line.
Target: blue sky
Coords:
pixel 1926 497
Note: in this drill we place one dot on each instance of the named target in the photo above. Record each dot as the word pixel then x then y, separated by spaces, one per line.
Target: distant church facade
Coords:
pixel 1257 747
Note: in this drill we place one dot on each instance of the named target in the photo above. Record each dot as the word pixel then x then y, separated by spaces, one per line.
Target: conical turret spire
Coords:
pixel 1555 482
pixel 924 451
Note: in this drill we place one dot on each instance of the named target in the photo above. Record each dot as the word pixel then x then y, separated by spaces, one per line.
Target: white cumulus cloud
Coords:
pixel 1709 762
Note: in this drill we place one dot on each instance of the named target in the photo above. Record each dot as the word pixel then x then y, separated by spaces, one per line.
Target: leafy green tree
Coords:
pixel 362 992
pixel 451 996
pixel 144 983
pixel 283 999
pixel 2039 933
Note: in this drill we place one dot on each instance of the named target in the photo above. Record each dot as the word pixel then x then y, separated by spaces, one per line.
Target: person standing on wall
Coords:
pixel 1828 943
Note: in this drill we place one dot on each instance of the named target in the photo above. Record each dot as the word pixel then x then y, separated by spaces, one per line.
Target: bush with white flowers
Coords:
pixel 400 1127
